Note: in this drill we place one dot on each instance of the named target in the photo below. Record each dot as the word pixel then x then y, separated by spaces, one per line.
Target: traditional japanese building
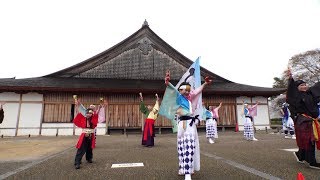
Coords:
pixel 44 105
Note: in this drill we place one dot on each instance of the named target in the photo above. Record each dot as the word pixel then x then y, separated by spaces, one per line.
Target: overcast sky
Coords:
pixel 245 41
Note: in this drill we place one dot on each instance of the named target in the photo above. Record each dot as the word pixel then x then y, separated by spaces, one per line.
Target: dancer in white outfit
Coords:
pixel 287 122
pixel 187 135
pixel 248 121
pixel 211 117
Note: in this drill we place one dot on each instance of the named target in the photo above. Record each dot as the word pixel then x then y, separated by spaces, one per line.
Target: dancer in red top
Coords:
pixel 86 142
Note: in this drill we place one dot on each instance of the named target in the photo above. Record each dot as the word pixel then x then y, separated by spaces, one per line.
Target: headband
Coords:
pixel 186 87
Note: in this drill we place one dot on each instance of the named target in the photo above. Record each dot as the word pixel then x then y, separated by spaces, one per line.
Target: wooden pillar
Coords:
pixel 42 116
pixel 18 116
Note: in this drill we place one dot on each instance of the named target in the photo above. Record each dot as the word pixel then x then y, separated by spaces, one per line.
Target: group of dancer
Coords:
pixel 303 120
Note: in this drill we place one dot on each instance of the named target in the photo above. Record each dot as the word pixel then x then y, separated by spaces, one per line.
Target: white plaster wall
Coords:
pixel 65 132
pixel 101 129
pixel 10 113
pixel 30 114
pixel 66 125
pixel 9 96
pixel 48 132
pixel 261 121
pixel 8 132
pixel 32 97
pixel 26 132
pixel 51 129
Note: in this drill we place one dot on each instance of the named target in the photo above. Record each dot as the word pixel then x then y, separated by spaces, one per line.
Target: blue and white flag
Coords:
pixel 193 77
pixel 169 104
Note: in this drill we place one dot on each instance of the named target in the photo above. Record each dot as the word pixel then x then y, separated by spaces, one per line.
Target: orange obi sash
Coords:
pixel 315 129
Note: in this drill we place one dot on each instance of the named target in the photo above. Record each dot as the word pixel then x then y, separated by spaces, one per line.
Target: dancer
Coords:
pixel 187 136
pixel 86 142
pixel 211 123
pixel 248 121
pixel 215 117
pixel 151 113
pixel 303 104
pixel 100 111
pixel 287 122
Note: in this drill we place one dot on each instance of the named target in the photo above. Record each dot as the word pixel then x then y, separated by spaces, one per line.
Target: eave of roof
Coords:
pixel 48 84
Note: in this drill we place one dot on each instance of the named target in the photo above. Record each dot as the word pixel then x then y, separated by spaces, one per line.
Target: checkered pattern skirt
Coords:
pixel 210 128
pixel 248 132
pixel 186 150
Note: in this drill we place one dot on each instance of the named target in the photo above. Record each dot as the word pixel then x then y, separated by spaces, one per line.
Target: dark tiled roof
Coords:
pixel 41 84
pixel 66 80
pixel 126 44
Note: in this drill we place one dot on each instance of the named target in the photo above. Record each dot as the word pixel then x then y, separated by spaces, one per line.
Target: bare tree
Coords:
pixel 306 66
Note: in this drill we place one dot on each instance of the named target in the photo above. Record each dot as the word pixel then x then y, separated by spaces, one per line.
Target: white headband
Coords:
pixel 183 87
pixel 186 87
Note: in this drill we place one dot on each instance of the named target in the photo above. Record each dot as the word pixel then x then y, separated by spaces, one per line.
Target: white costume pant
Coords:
pixel 210 128
pixel 248 132
pixel 288 124
pixel 188 148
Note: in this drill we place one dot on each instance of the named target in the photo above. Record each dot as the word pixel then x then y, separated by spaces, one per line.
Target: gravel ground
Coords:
pixel 230 157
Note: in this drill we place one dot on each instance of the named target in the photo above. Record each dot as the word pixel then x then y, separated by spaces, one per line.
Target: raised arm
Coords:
pixel 254 106
pixel 219 106
pixel 140 96
pixel 199 89
pixel 168 84
pixel 143 107
pixel 292 90
pixel 167 78
pixel 156 106
pixel 81 109
pixel 100 105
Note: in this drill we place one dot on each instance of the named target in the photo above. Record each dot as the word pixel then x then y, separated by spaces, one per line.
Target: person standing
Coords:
pixel 287 122
pixel 211 123
pixel 215 116
pixel 187 136
pixel 248 121
pixel 86 142
pixel 151 113
pixel 99 110
pixel 303 104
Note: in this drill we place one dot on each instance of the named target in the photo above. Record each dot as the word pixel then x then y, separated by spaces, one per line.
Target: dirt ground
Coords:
pixel 27 149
